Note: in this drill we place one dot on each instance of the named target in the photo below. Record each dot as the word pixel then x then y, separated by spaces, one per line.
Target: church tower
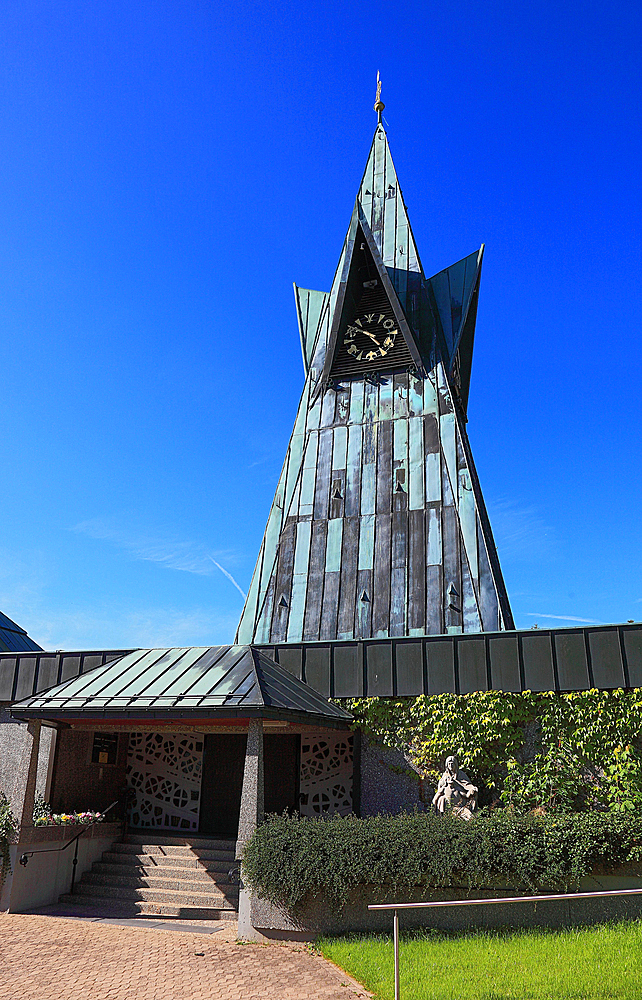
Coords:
pixel 378 527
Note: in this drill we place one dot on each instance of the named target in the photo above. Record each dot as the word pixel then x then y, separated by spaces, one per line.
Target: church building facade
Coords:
pixel 377 576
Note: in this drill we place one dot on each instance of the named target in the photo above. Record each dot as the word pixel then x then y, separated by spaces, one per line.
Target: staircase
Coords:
pixel 150 873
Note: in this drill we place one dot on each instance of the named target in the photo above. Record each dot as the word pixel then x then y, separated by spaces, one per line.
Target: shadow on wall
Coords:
pixel 389 782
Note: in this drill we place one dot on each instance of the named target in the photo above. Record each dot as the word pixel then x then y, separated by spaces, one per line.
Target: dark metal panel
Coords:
pixel 473 676
pixel 633 650
pixel 440 663
pixel 381 586
pixel 348 671
pixel 283 592
pixel 537 653
pixel 398 601
pixel 291 657
pixel 90 662
pixel 409 668
pixel 416 569
pixel 26 674
pixel 71 667
pixel 47 672
pixel 7 676
pixel 324 470
pixel 363 607
pixel 606 659
pixel 330 605
pixel 384 468
pixel 504 664
pixel 452 575
pixel 353 471
pixel 348 591
pixel 379 669
pixel 572 668
pixel 317 669
pixel 434 601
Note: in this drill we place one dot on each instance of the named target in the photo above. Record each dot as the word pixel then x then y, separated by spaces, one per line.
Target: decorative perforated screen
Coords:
pixel 164 769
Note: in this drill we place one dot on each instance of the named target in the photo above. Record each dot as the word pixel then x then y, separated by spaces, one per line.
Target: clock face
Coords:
pixel 370 337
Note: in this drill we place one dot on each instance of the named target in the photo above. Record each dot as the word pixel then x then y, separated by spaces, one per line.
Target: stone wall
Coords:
pixel 389 782
pixel 260 920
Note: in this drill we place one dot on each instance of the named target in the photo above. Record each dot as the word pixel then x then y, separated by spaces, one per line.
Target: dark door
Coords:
pixel 281 754
pixel 222 782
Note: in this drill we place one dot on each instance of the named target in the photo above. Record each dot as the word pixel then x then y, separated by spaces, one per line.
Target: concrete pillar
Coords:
pixel 25 817
pixel 19 751
pixel 252 796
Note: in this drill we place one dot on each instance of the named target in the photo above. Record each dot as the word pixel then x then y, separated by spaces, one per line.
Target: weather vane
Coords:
pixel 379 105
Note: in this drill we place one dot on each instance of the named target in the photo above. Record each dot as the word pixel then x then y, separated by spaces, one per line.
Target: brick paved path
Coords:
pixel 52 958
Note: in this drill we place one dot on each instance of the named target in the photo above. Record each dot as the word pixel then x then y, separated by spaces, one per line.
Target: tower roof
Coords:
pixel 378 526
pixel 13 637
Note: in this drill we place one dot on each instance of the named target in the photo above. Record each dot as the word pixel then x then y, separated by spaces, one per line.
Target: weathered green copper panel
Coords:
pixel 378 526
pixel 310 307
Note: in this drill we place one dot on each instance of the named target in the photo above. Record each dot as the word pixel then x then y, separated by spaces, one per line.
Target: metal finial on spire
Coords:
pixel 379 105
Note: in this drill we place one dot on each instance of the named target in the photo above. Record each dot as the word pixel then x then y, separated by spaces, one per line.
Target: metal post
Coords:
pixel 73 866
pixel 396 939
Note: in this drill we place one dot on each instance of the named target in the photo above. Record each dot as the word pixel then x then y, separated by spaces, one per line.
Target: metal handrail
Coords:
pixel 478 902
pixel 24 858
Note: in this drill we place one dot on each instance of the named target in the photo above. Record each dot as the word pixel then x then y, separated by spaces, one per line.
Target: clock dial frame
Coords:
pixel 370 337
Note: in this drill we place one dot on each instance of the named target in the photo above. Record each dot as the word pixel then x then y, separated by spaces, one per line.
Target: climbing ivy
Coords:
pixel 7 836
pixel 543 751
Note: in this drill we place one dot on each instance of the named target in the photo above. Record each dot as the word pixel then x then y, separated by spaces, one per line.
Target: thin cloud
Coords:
pixel 564 618
pixel 183 555
pixel 520 532
pixel 113 626
pixel 230 577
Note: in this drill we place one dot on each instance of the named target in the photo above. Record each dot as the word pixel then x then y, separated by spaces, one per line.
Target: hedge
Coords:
pixel 291 859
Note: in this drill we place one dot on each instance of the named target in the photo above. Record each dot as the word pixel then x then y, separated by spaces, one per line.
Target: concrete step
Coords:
pixel 172 851
pixel 87 905
pixel 185 874
pixel 152 837
pixel 197 897
pixel 163 861
pixel 134 881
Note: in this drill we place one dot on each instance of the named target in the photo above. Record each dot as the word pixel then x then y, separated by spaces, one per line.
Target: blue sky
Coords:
pixel 168 169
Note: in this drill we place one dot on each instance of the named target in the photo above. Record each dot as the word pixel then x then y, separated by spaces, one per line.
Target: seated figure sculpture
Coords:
pixel 455 791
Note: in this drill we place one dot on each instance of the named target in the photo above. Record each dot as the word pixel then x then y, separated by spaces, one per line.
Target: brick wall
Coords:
pixel 77 783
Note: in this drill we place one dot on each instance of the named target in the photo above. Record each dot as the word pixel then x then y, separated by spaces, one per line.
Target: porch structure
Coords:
pixel 206 739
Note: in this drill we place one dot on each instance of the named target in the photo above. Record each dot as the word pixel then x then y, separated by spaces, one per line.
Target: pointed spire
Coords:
pixel 378 105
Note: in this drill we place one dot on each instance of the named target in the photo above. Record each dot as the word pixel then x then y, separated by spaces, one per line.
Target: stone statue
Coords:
pixel 455 791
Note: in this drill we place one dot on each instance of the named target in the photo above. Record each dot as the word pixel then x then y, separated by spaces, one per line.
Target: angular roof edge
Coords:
pixel 184 683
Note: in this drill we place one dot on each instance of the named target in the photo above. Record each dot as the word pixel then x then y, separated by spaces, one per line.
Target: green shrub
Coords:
pixel 41 809
pixel 8 833
pixel 290 859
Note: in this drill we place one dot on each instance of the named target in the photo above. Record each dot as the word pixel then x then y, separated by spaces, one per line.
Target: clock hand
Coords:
pixel 372 337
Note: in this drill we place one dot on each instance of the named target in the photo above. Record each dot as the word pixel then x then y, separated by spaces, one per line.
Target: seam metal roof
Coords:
pixel 195 681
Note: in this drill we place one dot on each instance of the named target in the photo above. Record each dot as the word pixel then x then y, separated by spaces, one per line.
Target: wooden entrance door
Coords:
pixel 281 755
pixel 222 783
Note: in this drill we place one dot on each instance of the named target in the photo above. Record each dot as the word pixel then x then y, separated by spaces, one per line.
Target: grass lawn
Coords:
pixel 580 964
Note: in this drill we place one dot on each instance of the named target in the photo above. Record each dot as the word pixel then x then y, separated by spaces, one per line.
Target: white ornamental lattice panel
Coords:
pixel 326 774
pixel 164 769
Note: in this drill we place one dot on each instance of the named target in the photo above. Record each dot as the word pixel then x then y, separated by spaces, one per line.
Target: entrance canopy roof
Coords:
pixel 197 682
